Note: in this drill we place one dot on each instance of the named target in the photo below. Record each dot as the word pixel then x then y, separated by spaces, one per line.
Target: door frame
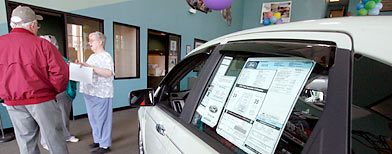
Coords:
pixel 64 15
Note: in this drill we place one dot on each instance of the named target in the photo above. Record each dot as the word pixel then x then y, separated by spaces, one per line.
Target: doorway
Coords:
pixel 71 31
pixel 53 24
pixel 163 55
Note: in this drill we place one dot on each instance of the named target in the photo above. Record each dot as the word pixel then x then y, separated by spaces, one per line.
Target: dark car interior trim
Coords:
pixel 333 136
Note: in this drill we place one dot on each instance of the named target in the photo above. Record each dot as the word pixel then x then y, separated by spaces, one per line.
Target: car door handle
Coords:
pixel 160 129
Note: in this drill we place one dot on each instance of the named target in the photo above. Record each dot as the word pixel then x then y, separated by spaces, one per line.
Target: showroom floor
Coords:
pixel 124 135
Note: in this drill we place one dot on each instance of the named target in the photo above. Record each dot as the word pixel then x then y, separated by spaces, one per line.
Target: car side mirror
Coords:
pixel 316 90
pixel 142 97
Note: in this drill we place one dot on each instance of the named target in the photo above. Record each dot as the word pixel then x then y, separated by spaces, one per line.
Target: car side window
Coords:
pixel 263 103
pixel 178 83
pixel 371 106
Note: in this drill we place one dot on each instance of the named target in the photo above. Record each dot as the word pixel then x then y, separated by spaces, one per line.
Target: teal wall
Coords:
pixel 3 112
pixel 301 10
pixel 170 16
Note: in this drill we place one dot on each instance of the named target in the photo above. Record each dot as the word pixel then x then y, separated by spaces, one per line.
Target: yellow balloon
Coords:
pixel 277 15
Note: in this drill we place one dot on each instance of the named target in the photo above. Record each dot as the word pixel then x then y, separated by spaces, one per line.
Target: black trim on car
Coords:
pixel 195 94
pixel 334 136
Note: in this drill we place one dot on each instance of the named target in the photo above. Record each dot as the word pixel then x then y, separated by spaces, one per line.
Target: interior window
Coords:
pixel 126 51
pixel 262 103
pixel 371 106
pixel 78 29
pixel 176 86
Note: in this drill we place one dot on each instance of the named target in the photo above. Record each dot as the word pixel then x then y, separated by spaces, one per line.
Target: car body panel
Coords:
pixel 177 139
pixel 153 141
pixel 346 33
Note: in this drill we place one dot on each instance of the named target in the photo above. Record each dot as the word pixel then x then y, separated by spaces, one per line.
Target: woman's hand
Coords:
pixel 85 65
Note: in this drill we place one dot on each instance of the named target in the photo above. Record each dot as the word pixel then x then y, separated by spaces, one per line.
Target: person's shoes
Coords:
pixel 46 147
pixel 72 139
pixel 101 151
pixel 94 145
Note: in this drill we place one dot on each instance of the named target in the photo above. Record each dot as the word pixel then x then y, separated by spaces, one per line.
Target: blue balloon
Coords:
pixel 273 19
pixel 266 22
pixel 360 6
pixel 378 6
pixel 365 1
pixel 374 12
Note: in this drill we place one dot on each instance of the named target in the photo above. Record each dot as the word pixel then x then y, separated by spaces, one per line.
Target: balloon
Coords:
pixel 269 15
pixel 377 1
pixel 370 5
pixel 379 6
pixel 362 12
pixel 217 4
pixel 279 21
pixel 277 15
pixel 374 12
pixel 273 19
pixel 266 22
pixel 365 1
pixel 360 6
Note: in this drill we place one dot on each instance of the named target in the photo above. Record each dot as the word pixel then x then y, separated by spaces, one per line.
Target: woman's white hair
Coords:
pixel 51 39
pixel 100 36
pixel 22 25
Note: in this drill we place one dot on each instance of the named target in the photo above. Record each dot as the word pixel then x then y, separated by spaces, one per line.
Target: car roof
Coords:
pixel 370 35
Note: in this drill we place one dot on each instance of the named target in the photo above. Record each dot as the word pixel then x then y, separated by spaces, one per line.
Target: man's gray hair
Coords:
pixel 100 36
pixel 51 39
pixel 22 25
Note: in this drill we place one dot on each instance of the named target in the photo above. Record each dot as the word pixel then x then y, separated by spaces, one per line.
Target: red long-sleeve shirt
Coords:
pixel 32 70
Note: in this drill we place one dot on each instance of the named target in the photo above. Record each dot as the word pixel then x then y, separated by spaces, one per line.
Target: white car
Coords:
pixel 316 87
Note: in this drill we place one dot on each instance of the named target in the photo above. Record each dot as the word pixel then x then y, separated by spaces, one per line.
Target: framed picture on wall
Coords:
pixel 198 43
pixel 284 8
pixel 173 45
pixel 188 49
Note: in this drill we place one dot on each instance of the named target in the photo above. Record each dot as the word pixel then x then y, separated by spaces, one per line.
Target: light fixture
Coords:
pixel 331 1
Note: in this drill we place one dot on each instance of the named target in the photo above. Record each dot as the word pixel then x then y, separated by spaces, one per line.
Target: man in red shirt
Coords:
pixel 32 73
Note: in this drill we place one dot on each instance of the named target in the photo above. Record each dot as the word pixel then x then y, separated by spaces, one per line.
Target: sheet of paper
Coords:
pixel 233 128
pixel 81 74
pixel 221 87
pixel 262 99
pixel 202 108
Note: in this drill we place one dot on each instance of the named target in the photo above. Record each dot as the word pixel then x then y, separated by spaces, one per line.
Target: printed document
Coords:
pixel 81 74
pixel 261 101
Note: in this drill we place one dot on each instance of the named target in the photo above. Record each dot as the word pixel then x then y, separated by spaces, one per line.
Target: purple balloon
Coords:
pixel 217 4
pixel 279 21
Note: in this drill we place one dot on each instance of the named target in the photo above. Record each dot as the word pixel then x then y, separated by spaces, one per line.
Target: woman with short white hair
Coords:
pixel 98 95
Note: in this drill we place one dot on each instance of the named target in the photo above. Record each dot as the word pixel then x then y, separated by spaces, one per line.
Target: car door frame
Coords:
pixel 319 144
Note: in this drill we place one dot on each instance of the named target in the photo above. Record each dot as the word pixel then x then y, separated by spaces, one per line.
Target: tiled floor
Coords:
pixel 124 137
